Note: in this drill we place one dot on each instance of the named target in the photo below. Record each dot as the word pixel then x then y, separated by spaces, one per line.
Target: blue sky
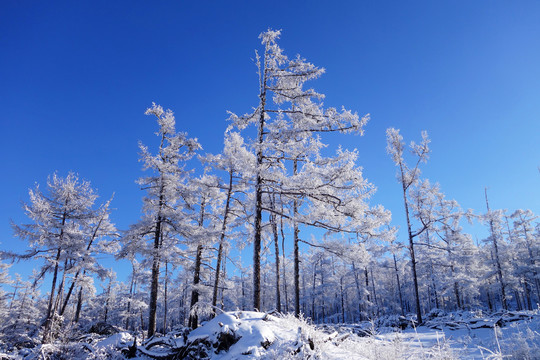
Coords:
pixel 76 77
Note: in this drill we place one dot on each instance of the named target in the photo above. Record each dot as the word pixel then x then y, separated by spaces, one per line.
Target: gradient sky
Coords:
pixel 76 77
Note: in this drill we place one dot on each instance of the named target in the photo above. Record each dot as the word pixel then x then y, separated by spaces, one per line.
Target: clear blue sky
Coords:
pixel 76 77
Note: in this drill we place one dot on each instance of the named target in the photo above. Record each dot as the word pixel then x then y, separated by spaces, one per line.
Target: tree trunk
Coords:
pixel 273 223
pixel 358 292
pixel 258 194
pixel 222 239
pixel 74 282
pixel 128 310
pixel 60 293
pixel 313 291
pixel 193 317
pixel 368 302
pixel 456 290
pixel 411 249
pixel 304 291
pixel 79 306
pixel 154 286
pixel 224 276
pixel 296 252
pixel 284 263
pixel 107 301
pixel 527 293
pixel 165 287
pixel 490 303
pixel 322 292
pixel 50 311
pixel 342 300
pixel 399 286
pixel 16 287
pixel 377 306
pixel 70 290
pixel 497 260
pixel 243 292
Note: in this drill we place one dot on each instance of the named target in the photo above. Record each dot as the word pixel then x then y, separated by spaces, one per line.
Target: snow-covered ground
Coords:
pixel 470 335
pixel 254 335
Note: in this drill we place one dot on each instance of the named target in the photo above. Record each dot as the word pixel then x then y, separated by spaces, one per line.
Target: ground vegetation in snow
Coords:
pixel 256 335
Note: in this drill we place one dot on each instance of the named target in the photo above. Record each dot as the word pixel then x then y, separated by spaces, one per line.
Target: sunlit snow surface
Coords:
pixel 464 335
pixel 282 335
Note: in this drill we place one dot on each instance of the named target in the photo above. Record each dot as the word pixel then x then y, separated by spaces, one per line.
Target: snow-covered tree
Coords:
pixel 409 177
pixel 60 232
pixel 101 236
pixel 4 281
pixel 21 325
pixel 235 161
pixel 163 203
pixel 326 192
pixel 495 220
pixel 527 247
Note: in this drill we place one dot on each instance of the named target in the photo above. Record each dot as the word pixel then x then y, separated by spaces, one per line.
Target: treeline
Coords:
pixel 319 248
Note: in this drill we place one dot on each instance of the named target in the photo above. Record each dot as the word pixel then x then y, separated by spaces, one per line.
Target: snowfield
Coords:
pixel 255 335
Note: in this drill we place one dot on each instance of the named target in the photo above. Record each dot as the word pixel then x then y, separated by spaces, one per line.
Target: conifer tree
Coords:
pixel 163 204
pixel 316 191
pixel 61 219
pixel 409 176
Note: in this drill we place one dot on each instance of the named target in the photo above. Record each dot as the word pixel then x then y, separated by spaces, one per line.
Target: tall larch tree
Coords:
pixel 288 119
pixel 235 161
pixel 61 218
pixel 409 176
pixel 162 206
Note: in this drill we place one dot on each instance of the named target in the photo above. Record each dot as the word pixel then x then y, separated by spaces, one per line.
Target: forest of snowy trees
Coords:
pixel 319 248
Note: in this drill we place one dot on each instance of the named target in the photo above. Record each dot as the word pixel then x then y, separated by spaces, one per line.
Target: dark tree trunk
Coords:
pixel 68 296
pixel 374 292
pixel 193 317
pixel 456 290
pixel 518 301
pixel 527 294
pixel 74 282
pixel 257 249
pixel 107 301
pixel 313 290
pixel 224 276
pixel 296 252
pixel 60 293
pixel 399 286
pixel 490 303
pixel 284 263
pixel 411 249
pixel 342 300
pixel 258 194
pixel 243 293
pixel 128 310
pixel 14 295
pixel 50 310
pixel 497 260
pixel 165 288
pixel 273 223
pixel 358 292
pixel 154 286
pixel 322 292
pixel 304 292
pixel 222 239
